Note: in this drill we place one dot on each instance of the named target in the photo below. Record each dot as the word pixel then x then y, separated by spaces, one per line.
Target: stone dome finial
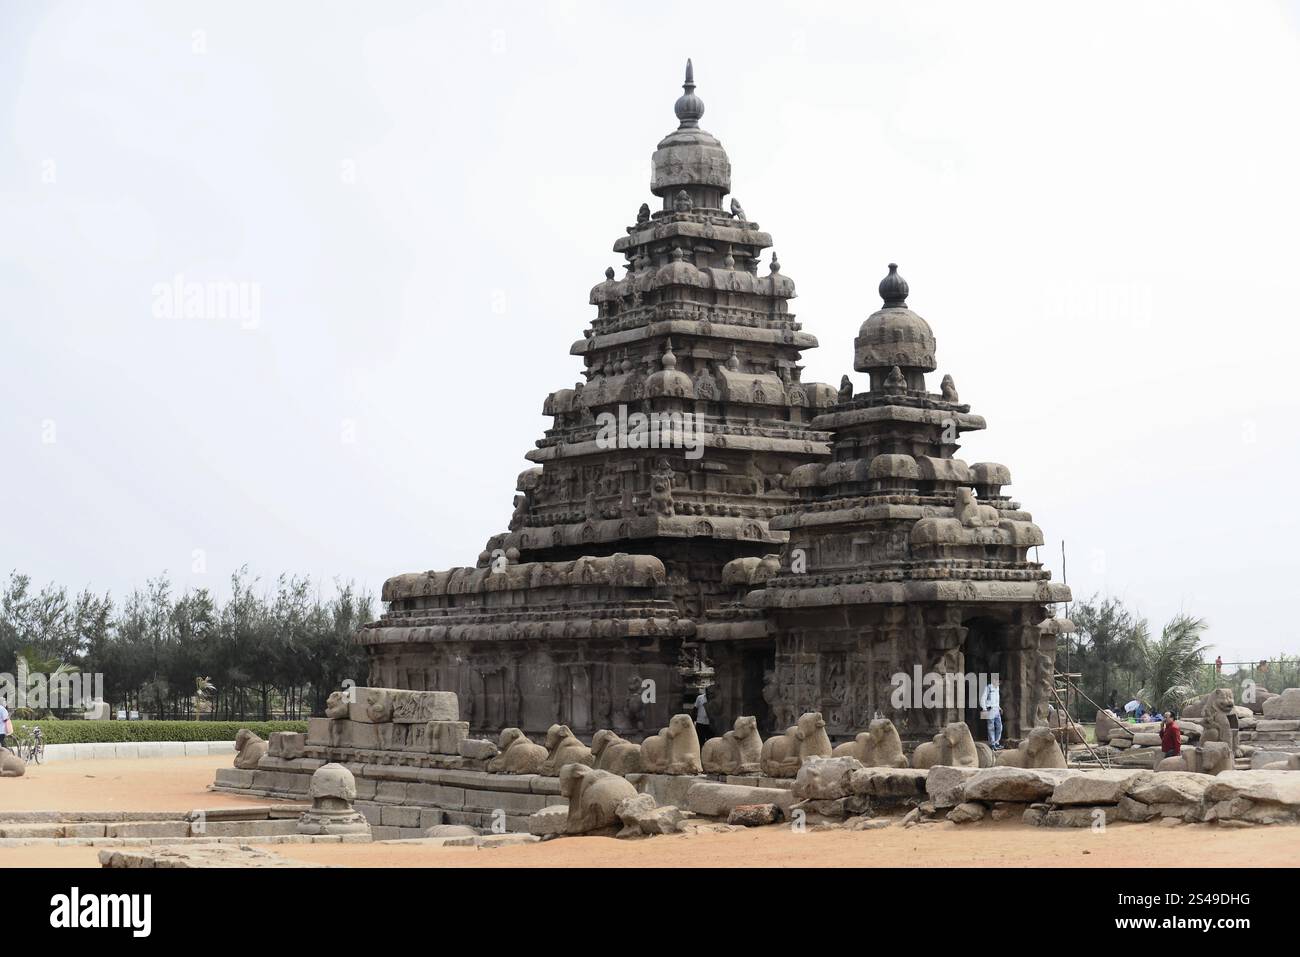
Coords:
pixel 668 360
pixel 689 107
pixel 893 289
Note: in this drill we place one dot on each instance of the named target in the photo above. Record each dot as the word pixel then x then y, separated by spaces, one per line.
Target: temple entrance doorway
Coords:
pixel 985 653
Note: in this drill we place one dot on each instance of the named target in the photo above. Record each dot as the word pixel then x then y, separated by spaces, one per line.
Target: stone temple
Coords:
pixel 699 516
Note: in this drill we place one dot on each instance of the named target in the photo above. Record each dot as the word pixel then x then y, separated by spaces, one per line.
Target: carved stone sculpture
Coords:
pixel 518 754
pixel 1039 749
pixel 614 754
pixel 877 747
pixel 563 747
pixel 11 766
pixel 1215 725
pixel 674 750
pixel 332 791
pixel 249 749
pixel 739 751
pixel 783 754
pixel 594 797
pixel 336 705
pixel 951 747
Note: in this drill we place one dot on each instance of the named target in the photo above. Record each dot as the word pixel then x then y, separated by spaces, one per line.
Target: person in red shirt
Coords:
pixel 1170 736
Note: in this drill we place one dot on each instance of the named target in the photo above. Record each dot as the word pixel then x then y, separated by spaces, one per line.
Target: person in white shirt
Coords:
pixel 991 704
pixel 702 726
pixel 6 725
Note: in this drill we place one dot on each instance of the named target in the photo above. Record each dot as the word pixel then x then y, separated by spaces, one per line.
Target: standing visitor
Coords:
pixel 991 703
pixel 702 727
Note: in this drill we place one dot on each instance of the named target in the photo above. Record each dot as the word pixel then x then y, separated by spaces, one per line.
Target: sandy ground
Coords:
pixel 180 784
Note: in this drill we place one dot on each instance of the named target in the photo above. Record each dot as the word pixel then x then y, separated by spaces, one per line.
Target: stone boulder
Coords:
pixel 1014 784
pixel 1107 724
pixel 946 786
pixel 630 809
pixel 825 779
pixel 890 783
pixel 1172 787
pixel 754 815
pixel 1096 787
pixel 552 819
pixel 1284 705
pixel 967 813
pixel 11 766
pixel 713 799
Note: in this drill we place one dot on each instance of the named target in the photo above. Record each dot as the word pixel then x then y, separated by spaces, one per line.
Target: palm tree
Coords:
pixel 202 688
pixel 1170 664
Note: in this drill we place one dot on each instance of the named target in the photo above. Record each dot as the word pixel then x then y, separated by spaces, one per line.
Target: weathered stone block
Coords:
pixel 477 749
pixel 549 820
pixel 1171 787
pixel 1080 816
pixel 754 815
pixel 318 731
pixel 967 812
pixel 716 800
pixel 946 785
pixel 895 783
pixel 444 737
pixel 287 745
pixel 824 779
pixel 1012 784
pixel 1097 787
pixel 399 816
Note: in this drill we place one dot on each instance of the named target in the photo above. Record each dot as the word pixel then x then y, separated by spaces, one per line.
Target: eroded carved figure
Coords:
pixel 336 705
pixel 674 750
pixel 739 751
pixel 563 747
pixel 877 747
pixel 594 797
pixel 614 754
pixel 249 749
pixel 951 747
pixel 518 754
pixel 784 753
pixel 1039 749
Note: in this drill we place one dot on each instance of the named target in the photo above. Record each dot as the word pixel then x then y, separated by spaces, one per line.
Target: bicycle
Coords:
pixel 31 746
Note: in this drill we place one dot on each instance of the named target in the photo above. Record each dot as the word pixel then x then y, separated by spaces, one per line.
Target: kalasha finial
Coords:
pixel 689 107
pixel 893 289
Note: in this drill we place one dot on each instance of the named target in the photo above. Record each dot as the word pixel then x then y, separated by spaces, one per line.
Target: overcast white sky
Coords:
pixel 1096 207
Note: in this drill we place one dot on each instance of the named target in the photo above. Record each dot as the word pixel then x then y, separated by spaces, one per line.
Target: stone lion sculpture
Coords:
pixel 674 750
pixel 518 755
pixel 11 766
pixel 563 747
pixel 249 749
pixel 1215 725
pixel 951 747
pixel 739 751
pixel 336 705
pixel 614 754
pixel 1039 750
pixel 784 753
pixel 594 797
pixel 877 747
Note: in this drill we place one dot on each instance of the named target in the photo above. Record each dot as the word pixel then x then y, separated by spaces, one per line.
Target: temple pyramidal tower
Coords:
pixel 698 516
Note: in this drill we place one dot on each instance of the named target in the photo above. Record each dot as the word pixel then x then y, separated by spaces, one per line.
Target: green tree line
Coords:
pixel 1118 659
pixel 262 652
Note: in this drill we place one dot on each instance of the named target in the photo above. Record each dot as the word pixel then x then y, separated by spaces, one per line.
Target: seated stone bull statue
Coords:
pixel 614 754
pixel 594 797
pixel 563 747
pixel 739 751
pixel 784 753
pixel 674 750
pixel 518 755
pixel 951 747
pixel 877 747
pixel 249 749
pixel 11 766
pixel 1039 749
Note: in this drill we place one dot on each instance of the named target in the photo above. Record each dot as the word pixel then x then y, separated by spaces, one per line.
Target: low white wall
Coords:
pixel 137 749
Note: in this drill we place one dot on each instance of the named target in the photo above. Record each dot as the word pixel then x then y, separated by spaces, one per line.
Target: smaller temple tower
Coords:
pixel 903 561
